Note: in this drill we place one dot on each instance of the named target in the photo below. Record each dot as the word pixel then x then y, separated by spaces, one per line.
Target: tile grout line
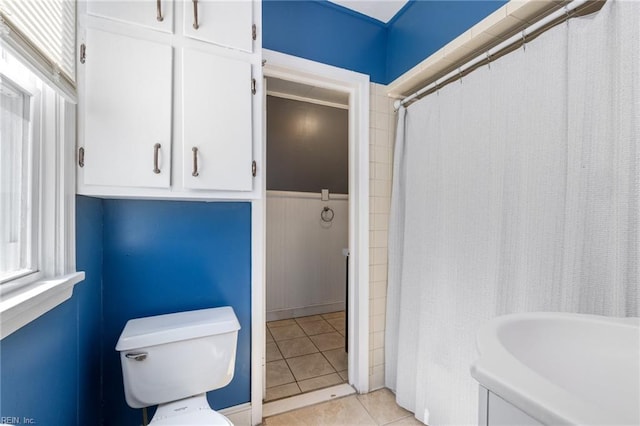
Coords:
pixel 373 421
pixel 308 336
pixel 321 352
pixel 367 411
pixel 389 422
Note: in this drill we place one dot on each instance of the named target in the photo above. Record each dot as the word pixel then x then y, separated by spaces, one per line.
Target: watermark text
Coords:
pixel 17 420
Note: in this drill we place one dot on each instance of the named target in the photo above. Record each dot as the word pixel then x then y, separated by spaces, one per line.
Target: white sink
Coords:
pixel 563 368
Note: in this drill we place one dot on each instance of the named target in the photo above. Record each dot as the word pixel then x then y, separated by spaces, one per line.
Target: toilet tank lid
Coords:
pixel 160 329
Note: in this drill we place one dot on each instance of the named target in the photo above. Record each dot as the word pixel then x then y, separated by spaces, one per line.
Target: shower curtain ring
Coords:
pixel 524 40
pixel 488 55
pixel 460 74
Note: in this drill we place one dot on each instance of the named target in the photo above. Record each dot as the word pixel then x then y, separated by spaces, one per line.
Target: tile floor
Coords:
pixel 375 408
pixel 305 354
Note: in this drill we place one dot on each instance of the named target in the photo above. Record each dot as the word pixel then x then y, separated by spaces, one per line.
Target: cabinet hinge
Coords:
pixel 81 157
pixel 253 86
pixel 83 53
pixel 254 32
pixel 254 168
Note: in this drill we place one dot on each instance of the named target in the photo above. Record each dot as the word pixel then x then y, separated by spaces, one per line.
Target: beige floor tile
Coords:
pixel 410 420
pixel 286 332
pixel 339 314
pixel 344 374
pixel 343 411
pixel 278 373
pixel 308 366
pixel 337 358
pixel 281 391
pixel 319 382
pixel 337 323
pixel 328 341
pixel 316 327
pixel 281 323
pixel 273 353
pixel 297 347
pixel 382 406
pixel 294 364
pixel 301 320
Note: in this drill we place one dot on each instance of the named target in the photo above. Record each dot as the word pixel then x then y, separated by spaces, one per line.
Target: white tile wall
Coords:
pixel 382 124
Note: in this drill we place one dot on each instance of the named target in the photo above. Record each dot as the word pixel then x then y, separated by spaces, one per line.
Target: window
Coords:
pixel 37 202
pixel 18 224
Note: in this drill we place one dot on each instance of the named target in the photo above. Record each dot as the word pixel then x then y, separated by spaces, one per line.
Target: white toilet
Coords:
pixel 173 360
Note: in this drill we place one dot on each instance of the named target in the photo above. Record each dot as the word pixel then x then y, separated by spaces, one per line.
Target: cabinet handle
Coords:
pixel 159 16
pixel 195 162
pixel 81 157
pixel 195 14
pixel 156 150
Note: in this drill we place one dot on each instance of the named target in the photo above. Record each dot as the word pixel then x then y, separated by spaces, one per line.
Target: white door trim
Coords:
pixel 300 70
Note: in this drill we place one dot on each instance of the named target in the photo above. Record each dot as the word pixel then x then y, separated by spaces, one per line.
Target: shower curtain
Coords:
pixel 515 189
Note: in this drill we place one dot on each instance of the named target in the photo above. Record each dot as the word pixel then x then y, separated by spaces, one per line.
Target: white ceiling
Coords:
pixel 382 10
pixel 276 86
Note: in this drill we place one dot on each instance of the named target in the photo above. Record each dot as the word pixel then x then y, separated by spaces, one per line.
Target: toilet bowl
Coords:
pixel 189 411
pixel 172 360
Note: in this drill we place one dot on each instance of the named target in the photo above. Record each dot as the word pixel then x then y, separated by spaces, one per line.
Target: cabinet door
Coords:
pixel 226 23
pixel 216 122
pixel 155 14
pixel 127 110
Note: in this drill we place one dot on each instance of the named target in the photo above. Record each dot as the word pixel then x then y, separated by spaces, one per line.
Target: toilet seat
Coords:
pixel 202 417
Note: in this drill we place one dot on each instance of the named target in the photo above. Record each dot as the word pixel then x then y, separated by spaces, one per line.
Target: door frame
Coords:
pixel 356 85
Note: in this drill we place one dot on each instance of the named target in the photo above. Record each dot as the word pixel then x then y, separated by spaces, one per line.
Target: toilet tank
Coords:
pixel 169 357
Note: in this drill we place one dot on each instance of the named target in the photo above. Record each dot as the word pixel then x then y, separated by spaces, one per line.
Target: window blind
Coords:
pixel 43 32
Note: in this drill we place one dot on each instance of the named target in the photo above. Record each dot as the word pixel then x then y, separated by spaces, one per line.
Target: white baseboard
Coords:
pixel 240 415
pixel 305 311
pixel 306 399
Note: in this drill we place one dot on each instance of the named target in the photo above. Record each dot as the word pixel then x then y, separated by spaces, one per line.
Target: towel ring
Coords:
pixel 327 214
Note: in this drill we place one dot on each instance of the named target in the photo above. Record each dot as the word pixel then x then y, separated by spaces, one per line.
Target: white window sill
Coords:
pixel 23 305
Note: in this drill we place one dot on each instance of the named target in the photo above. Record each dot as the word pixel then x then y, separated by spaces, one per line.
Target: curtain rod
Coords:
pixel 559 15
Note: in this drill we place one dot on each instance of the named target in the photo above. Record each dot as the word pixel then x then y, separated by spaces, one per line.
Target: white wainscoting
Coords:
pixel 305 265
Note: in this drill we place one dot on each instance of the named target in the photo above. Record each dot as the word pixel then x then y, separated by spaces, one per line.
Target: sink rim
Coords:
pixel 500 371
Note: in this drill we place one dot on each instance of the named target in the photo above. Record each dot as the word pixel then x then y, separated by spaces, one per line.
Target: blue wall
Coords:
pixel 50 369
pixel 423 27
pixel 140 258
pixel 327 33
pixel 331 34
pixel 162 257
pixel 89 221
pixel 39 368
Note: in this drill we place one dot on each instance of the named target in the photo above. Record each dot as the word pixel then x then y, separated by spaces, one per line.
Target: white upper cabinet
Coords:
pixel 127 111
pixel 169 113
pixel 225 23
pixel 154 14
pixel 216 119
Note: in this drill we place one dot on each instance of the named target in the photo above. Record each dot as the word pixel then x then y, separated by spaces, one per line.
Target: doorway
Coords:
pixel 307 212
pixel 354 87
